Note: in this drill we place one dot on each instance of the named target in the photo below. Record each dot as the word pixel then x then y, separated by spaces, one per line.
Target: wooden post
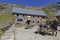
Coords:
pixel 14 34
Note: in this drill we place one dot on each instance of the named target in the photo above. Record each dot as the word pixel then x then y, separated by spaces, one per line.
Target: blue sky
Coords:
pixel 36 3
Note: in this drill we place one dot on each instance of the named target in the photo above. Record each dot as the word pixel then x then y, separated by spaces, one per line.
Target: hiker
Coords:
pixel 54 24
pixel 44 25
pixel 48 24
pixel 28 22
pixel 41 24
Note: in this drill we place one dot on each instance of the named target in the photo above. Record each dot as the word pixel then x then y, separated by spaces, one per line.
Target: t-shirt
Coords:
pixel 40 22
pixel 44 22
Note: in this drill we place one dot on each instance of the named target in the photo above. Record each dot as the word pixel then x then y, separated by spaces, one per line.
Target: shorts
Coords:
pixel 54 28
pixel 40 26
pixel 45 26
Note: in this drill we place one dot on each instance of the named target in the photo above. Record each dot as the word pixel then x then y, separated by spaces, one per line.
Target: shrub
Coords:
pixel 1 33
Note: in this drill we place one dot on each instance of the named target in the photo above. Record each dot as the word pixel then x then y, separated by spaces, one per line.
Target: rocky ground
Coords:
pixel 27 34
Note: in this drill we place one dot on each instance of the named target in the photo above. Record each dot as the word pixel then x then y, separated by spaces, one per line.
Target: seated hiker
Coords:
pixel 41 27
pixel 41 24
pixel 44 25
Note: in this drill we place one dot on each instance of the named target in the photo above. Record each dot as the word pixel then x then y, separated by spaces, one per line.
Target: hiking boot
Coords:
pixel 52 34
pixel 56 34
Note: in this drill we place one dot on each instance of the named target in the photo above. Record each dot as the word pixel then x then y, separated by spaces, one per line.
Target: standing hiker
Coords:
pixel 28 22
pixel 54 24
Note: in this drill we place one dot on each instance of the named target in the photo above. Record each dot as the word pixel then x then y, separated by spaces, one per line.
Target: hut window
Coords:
pixel 1 7
pixel 23 15
pixel 17 14
pixel 33 21
pixel 19 19
pixel 38 21
pixel 38 16
pixel 43 17
pixel 33 16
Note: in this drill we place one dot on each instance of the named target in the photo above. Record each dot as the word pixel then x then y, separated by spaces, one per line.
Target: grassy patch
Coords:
pixel 5 17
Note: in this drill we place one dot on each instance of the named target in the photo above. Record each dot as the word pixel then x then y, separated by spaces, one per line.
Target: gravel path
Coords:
pixel 27 34
pixel 22 34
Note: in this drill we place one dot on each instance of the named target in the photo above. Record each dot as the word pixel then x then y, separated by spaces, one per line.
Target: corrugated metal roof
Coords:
pixel 27 11
pixel 57 14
